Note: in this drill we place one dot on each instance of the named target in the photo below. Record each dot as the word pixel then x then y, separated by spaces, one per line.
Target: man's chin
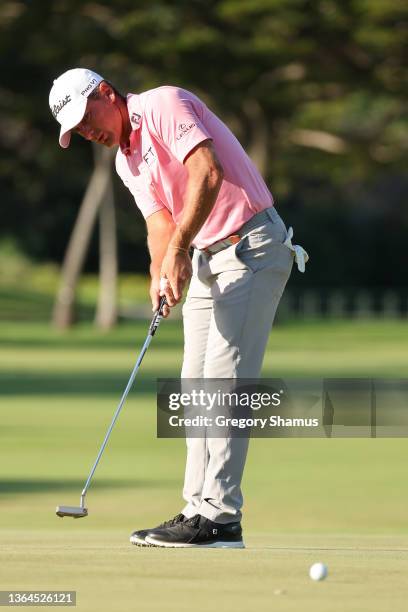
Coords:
pixel 111 142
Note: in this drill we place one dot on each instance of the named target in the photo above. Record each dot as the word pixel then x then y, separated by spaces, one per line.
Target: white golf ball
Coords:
pixel 318 571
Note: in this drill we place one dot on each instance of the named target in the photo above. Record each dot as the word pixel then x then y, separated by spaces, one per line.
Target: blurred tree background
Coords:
pixel 314 89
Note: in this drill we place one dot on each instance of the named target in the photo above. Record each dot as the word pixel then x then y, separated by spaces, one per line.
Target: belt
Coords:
pixel 257 219
pixel 300 255
pixel 221 244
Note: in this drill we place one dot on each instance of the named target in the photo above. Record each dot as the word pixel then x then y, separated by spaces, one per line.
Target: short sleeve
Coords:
pixel 145 203
pixel 144 198
pixel 177 118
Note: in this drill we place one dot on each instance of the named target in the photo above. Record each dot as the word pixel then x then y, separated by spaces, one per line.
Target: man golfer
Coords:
pixel 196 187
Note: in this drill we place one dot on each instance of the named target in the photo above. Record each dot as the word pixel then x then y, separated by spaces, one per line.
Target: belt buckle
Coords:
pixel 234 238
pixel 230 240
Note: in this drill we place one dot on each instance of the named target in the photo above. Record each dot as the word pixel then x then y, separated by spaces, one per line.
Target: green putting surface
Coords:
pixel 365 573
pixel 339 501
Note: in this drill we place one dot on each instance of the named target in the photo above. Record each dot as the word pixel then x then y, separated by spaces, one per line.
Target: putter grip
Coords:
pixel 157 316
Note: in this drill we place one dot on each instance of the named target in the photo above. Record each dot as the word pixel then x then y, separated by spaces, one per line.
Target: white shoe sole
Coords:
pixel 139 541
pixel 220 544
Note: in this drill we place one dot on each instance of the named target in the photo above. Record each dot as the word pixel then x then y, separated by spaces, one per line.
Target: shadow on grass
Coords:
pixel 133 344
pixel 85 336
pixel 17 486
pixel 91 383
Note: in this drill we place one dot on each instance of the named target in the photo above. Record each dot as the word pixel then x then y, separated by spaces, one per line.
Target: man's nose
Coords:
pixel 89 134
pixel 86 132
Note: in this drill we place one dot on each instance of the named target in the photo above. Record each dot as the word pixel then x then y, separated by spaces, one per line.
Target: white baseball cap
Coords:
pixel 68 99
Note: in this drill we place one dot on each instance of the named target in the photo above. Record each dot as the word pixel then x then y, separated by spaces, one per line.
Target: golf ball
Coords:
pixel 318 571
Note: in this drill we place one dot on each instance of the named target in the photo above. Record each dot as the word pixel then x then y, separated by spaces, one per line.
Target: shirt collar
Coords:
pixel 135 115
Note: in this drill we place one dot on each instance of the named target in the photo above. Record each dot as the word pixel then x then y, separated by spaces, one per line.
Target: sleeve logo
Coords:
pixel 183 129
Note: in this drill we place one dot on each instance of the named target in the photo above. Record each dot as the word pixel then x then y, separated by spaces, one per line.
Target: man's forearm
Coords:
pixel 157 253
pixel 157 250
pixel 199 201
pixel 159 235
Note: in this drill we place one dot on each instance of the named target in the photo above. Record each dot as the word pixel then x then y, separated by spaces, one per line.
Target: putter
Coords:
pixel 80 511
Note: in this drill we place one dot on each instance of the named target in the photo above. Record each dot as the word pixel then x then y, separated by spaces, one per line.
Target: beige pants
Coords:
pixel 228 315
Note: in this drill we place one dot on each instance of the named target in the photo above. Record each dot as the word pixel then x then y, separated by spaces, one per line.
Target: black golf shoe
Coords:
pixel 198 532
pixel 138 537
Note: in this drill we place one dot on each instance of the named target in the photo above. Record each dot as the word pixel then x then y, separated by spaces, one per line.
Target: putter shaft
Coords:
pixel 74 511
pixel 152 330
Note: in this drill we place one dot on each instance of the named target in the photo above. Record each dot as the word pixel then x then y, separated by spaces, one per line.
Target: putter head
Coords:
pixel 74 511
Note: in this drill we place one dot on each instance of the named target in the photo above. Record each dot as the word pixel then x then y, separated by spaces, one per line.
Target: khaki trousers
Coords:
pixel 227 317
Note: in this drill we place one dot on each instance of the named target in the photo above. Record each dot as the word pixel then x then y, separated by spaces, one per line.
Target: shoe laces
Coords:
pixel 173 521
pixel 194 521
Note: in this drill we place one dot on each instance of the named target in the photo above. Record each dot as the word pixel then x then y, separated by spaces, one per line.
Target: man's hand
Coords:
pixel 155 297
pixel 176 268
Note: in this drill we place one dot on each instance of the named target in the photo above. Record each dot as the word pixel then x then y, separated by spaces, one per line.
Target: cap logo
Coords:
pixel 60 105
pixel 88 87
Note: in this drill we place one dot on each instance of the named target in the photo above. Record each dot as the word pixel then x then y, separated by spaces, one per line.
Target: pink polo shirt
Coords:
pixel 168 122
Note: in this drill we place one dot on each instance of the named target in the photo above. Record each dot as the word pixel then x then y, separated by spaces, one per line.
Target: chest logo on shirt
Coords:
pixel 183 129
pixel 149 156
pixel 135 119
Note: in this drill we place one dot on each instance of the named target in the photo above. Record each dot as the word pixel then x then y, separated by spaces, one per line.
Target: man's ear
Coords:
pixel 107 91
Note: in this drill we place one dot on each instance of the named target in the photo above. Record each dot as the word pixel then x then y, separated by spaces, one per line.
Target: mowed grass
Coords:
pixel 340 501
